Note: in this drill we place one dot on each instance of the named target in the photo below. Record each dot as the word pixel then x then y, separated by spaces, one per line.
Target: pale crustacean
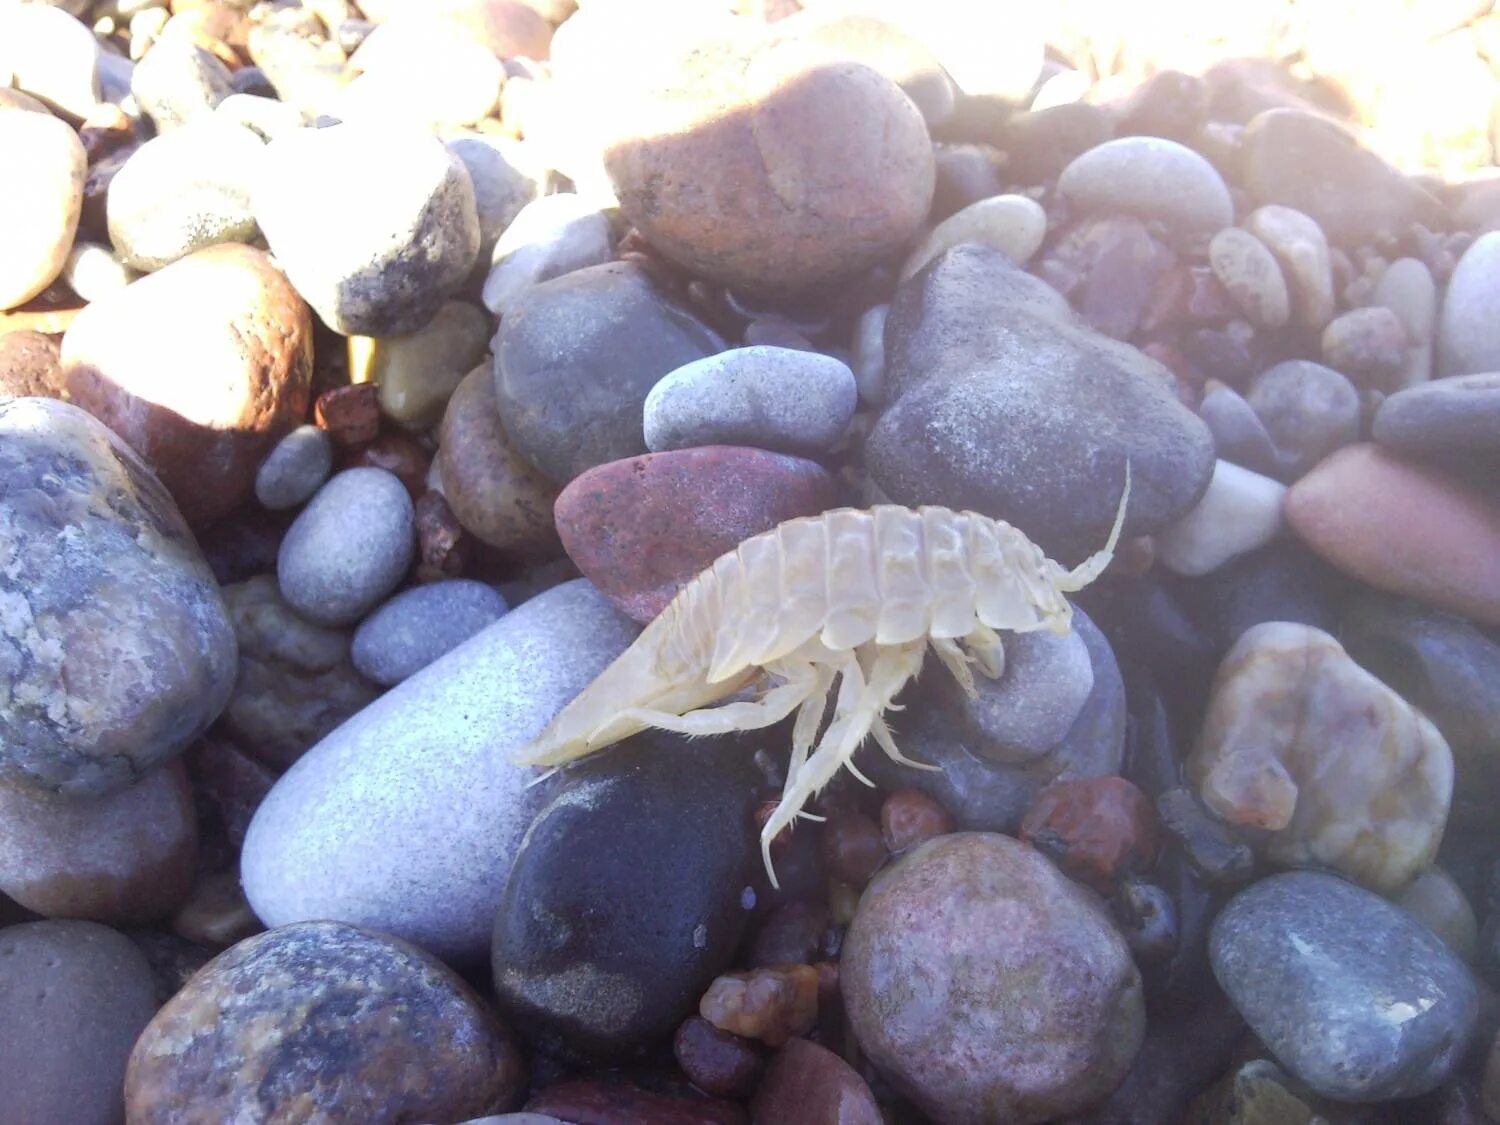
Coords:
pixel 852 595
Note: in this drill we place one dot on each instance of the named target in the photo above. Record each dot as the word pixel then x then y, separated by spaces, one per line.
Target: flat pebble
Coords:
pixel 1240 511
pixel 349 548
pixel 264 1029
pixel 1015 962
pixel 774 398
pixel 182 191
pixel 1447 552
pixel 128 612
pixel 407 818
pixel 1458 416
pixel 643 528
pixel 1014 224
pixel 1302 742
pixel 136 362
pixel 1247 269
pixel 295 468
pixel 1152 178
pixel 547 238
pixel 73 998
pixel 382 268
pixel 419 372
pixel 1302 251
pixel 419 625
pixel 43 188
pixel 51 56
pixel 1319 967
pixel 1467 339
pixel 179 81
pixel 1042 142
pixel 1307 409
pixel 1408 290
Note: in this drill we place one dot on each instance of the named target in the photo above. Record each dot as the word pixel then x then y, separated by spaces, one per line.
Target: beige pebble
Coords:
pixel 1407 289
pixel 1240 511
pixel 418 373
pixel 1435 900
pixel 42 166
pixel 1247 269
pixel 1301 248
pixel 1013 224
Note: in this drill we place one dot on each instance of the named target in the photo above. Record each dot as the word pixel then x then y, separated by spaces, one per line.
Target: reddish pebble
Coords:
pixel 610 1099
pixel 642 528
pixel 771 1004
pixel 351 414
pixel 1095 828
pixel 795 933
pixel 810 1085
pixel 106 129
pixel 910 817
pixel 443 547
pixel 29 365
pixel 397 453
pixel 852 847
pixel 715 1061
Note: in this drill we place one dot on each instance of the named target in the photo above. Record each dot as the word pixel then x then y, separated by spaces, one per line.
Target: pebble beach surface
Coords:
pixel 374 372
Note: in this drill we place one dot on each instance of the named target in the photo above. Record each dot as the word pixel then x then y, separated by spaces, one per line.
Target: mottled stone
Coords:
pixel 295 468
pixel 1152 178
pixel 577 356
pixel 1455 418
pixel 43 193
pixel 29 365
pixel 384 267
pixel 1303 743
pixel 1014 224
pixel 493 491
pixel 987 986
pixel 1302 251
pixel 1467 341
pixel 322 1021
pixel 643 528
pixel 295 681
pixel 73 998
pixel 549 237
pixel 1447 552
pixel 419 625
pixel 407 818
pixel 1111 268
pixel 1368 345
pixel 771 1004
pixel 178 82
pixel 771 168
pixel 1308 410
pixel 115 649
pixel 418 373
pixel 1247 269
pixel 1353 997
pixel 811 1085
pixel 1240 512
pixel 349 413
pixel 137 363
pixel 125 859
pixel 1097 829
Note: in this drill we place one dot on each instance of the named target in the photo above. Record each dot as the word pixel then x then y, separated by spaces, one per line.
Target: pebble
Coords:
pixel 418 373
pixel 1096 829
pixel 1308 410
pixel 232 782
pixel 265 1030
pixel 493 491
pixel 1448 550
pixel 295 468
pixel 962 375
pixel 1248 270
pixel 852 846
pixel 1369 345
pixel 43 186
pixel 407 818
pixel 1029 1006
pixel 295 681
pixel 506 175
pixel 425 73
pixel 29 365
pixel 124 859
pixel 182 191
pixel 868 360
pixel 1467 342
pixel 1457 417
pixel 811 1085
pixel 773 398
pixel 1408 290
pixel 350 414
pixel 419 625
pixel 909 817
pixel 576 357
pixel 444 548
pixel 216 914
pixel 134 361
pixel 1282 581
pixel 1435 900
pixel 1303 743
pixel 1040 143
pixel 1239 434
pixel 178 82
pixel 349 548
pixel 1210 845
pixel 385 267
pixel 128 611
pixel 549 237
pixel 771 1004
pixel 94 273
pixel 266 117
pixel 771 168
pixel 614 1099
pixel 508 28
pixel 1013 224
pixel 643 528
pixel 1240 512
pixel 51 56
pixel 602 959
pixel 1151 178
pixel 1111 267
pixel 1301 249
pixel 73 998
pixel 1353 997
pixel 718 1063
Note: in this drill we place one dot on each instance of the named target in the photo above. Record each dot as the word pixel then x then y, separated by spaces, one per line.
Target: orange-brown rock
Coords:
pixel 29 365
pixel 1402 527
pixel 201 367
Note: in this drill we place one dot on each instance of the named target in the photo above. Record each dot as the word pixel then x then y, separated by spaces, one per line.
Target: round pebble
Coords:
pixel 43 190
pixel 295 468
pixel 52 56
pixel 1153 178
pixel 350 547
pixel 418 373
pixel 1307 409
pixel 1302 251
pixel 416 627
pixel 1408 290
pixel 1014 224
pixel 549 237
pixel 1249 272
pixel 93 272
pixel 1467 339
pixel 1368 345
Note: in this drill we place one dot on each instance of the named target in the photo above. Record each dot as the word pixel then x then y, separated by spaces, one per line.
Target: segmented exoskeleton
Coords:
pixel 851 595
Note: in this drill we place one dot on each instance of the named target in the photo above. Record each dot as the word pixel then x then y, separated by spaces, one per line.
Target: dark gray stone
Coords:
pixel 625 900
pixel 1282 581
pixel 576 357
pixel 1239 434
pixel 116 651
pixel 1004 403
pixel 419 625
pixel 1444 418
pixel 1352 995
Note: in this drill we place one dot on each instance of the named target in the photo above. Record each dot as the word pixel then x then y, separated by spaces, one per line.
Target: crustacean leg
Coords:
pixel 802 681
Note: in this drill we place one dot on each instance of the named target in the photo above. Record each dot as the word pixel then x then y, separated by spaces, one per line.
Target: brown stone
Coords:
pixel 106 129
pixel 1402 527
pixel 1095 828
pixel 495 492
pixel 29 365
pixel 216 913
pixel 811 1085
pixel 909 817
pixel 771 1004
pixel 125 859
pixel 611 1099
pixel 852 847
pixel 396 453
pixel 717 1062
pixel 201 367
pixel 443 548
pixel 233 782
pixel 320 1021
pixel 350 414
pixel 772 168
